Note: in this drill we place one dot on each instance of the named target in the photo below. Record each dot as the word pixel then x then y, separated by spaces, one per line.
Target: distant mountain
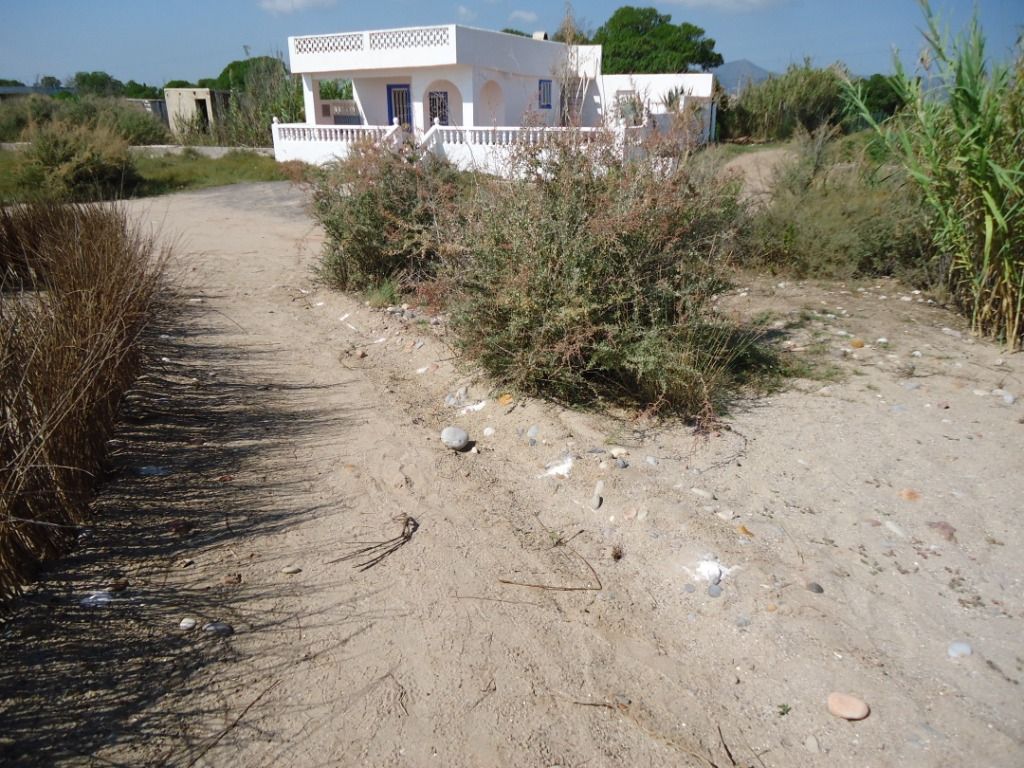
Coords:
pixel 734 75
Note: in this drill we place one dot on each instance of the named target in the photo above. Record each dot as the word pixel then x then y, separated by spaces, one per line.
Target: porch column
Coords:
pixel 310 98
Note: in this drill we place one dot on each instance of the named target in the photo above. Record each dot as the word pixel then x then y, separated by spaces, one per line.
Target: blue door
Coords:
pixel 399 105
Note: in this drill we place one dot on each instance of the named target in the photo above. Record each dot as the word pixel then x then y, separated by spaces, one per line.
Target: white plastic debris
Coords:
pixel 560 468
pixel 710 571
pixel 96 599
pixel 473 408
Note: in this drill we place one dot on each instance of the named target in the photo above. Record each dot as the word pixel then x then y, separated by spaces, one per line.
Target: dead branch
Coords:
pixel 378 551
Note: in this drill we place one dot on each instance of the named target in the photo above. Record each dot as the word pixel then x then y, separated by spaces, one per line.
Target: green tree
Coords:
pixel 7 81
pixel 134 90
pixel 881 96
pixel 510 31
pixel 643 41
pixel 237 74
pixel 179 84
pixel 97 84
pixel 48 81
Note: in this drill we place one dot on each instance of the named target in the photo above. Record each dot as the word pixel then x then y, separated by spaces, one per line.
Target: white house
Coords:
pixel 469 94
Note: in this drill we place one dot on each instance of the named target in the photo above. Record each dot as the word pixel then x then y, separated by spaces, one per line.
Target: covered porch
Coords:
pixel 451 96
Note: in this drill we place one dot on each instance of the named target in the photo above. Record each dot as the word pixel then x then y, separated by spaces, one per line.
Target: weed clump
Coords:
pixel 837 220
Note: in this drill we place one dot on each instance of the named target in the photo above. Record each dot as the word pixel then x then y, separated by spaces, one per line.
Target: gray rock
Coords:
pixel 714 590
pixel 690 589
pixel 811 745
pixel 454 438
pixel 621 463
pixel 815 587
pixel 533 431
pixel 743 622
pixel 219 628
pixel 596 502
pixel 291 569
pixel 652 461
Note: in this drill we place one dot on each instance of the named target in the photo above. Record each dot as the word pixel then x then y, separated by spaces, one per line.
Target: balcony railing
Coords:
pixel 381 40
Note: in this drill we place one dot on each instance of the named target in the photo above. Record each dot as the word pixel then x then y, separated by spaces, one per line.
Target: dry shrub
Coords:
pixel 382 211
pixel 76 162
pixel 77 289
pixel 589 279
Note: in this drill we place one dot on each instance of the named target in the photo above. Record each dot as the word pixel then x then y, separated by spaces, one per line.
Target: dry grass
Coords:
pixel 77 287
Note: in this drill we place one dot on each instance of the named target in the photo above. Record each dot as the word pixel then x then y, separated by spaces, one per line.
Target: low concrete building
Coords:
pixel 156 107
pixel 198 108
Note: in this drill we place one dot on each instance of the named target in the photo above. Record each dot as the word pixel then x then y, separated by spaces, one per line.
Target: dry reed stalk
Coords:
pixel 77 289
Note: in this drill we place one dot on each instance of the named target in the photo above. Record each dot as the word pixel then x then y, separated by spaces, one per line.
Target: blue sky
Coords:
pixel 158 40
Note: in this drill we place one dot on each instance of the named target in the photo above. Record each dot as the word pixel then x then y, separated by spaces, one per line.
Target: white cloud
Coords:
pixel 527 17
pixel 464 13
pixel 290 6
pixel 729 5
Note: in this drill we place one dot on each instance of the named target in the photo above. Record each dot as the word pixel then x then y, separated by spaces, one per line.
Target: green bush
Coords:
pixel 962 142
pixel 839 219
pixel 588 279
pixel 74 162
pixel 17 116
pixel 381 211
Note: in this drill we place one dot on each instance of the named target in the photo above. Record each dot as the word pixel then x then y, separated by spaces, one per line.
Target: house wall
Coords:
pixel 652 89
pixel 519 95
pixel 371 94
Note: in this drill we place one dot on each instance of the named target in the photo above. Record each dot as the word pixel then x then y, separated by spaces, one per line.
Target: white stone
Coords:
pixel 187 624
pixel 454 438
pixel 959 650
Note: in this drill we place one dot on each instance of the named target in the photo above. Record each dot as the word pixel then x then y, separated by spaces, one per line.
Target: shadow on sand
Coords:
pixel 180 483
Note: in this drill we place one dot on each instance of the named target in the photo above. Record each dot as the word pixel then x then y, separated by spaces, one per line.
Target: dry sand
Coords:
pixel 897 488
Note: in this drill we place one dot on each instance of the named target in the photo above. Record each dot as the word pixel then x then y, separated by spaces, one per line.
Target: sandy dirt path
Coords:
pixel 295 426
